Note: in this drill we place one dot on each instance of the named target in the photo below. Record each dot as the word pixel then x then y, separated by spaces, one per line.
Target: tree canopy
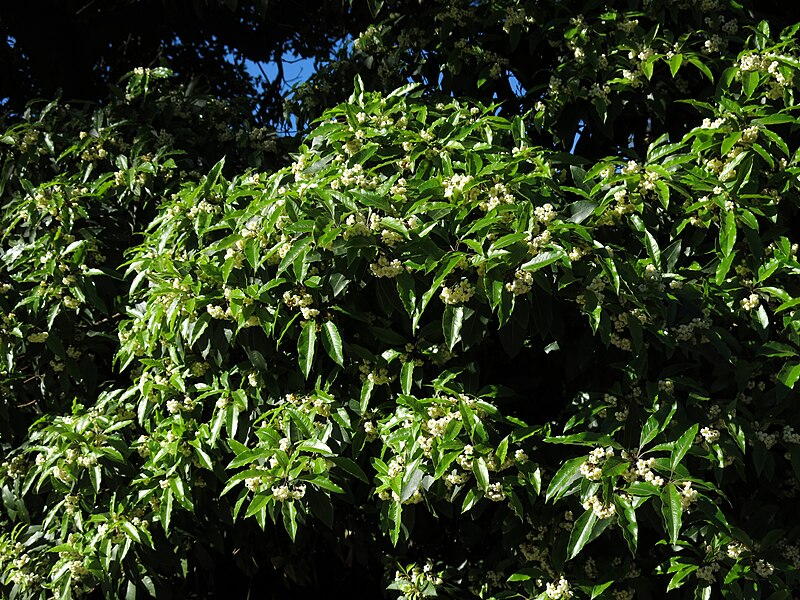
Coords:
pixel 513 315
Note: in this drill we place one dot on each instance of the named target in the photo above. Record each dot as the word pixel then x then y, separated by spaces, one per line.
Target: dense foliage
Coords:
pixel 437 353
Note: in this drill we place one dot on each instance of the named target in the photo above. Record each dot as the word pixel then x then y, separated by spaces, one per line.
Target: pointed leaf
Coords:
pixel 581 532
pixel 727 234
pixel 626 517
pixel 452 320
pixel 305 346
pixel 652 248
pixel 411 482
pixel 333 342
pixel 407 376
pixel 682 446
pixel 481 471
pixel 395 516
pixel 564 478
pixel 289 511
pixel 671 510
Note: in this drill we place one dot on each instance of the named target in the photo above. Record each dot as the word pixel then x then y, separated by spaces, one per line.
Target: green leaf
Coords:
pixel 481 471
pixel 258 502
pixel 412 479
pixel 652 248
pixel 452 320
pixel 396 519
pixel 626 518
pixel 671 510
pixel 296 249
pixel 322 481
pixel 581 533
pixel 656 423
pixel 289 511
pixel 789 374
pixel 305 346
pixel 730 141
pixel 406 291
pixel 502 449
pixel 543 259
pixel 724 267
pixel 446 266
pixel 675 63
pixel 647 68
pixel 564 478
pixel 682 446
pixel 702 67
pixel 374 7
pixel 333 342
pixel 131 530
pixel 581 210
pixel 749 82
pixel 317 446
pixel 350 467
pixel 166 509
pixel 366 392
pixel 727 234
pixel 407 376
pixel 179 491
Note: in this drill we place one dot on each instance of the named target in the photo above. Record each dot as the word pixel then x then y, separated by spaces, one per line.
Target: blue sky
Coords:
pixel 295 70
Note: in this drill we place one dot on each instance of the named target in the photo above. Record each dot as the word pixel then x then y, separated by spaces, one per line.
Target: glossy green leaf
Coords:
pixel 626 518
pixel 332 342
pixel 289 512
pixel 452 321
pixel 581 533
pixel 671 511
pixel 481 471
pixel 564 478
pixel 682 446
pixel 306 345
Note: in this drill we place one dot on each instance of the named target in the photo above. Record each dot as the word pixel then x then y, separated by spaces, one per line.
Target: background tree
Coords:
pixel 526 330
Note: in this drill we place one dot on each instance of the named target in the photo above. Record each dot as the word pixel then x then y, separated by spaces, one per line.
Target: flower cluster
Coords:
pixel 523 280
pixel 384 267
pixel 558 590
pixel 302 300
pixel 592 467
pixel 454 186
pixel 601 511
pixel 460 293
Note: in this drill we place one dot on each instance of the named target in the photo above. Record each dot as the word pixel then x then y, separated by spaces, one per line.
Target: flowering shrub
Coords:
pixel 513 372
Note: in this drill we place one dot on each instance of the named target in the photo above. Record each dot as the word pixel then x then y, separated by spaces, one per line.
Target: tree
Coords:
pixel 513 333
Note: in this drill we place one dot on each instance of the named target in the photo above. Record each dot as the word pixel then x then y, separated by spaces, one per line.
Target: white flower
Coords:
pixel 455 184
pixel 600 510
pixel 734 550
pixel 763 568
pixel 217 312
pixel 750 135
pixel 299 491
pixel 558 590
pixel 458 294
pixel 523 280
pixel 688 495
pixel 386 268
pixel 709 435
pixel 495 492
pixel 750 303
pixel 281 493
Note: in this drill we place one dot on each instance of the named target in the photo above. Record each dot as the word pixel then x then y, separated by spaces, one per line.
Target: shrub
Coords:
pixel 512 371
